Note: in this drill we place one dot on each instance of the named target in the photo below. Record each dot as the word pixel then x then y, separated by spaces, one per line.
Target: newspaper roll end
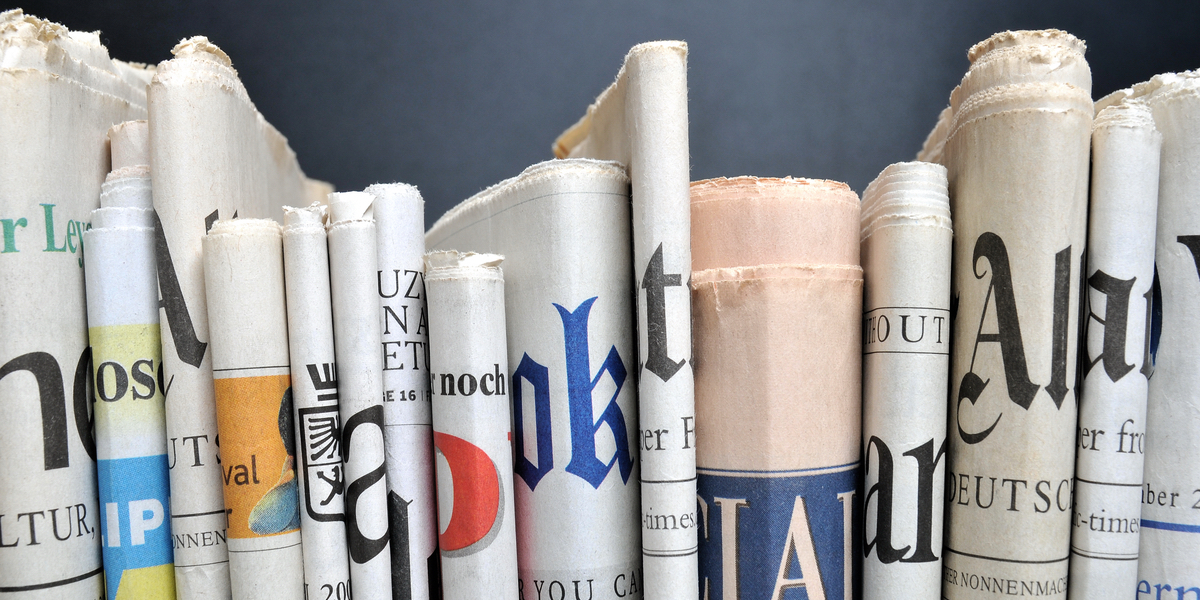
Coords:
pixel 439 262
pixel 199 47
pixel 243 227
pixel 350 206
pixel 313 214
pixel 395 191
pixel 129 143
pixel 122 217
pixel 1039 37
pixel 128 186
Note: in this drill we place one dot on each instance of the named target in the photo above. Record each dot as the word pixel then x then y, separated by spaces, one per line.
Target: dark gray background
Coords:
pixel 455 96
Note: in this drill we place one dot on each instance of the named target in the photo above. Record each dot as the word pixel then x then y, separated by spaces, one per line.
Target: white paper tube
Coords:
pixel 243 276
pixel 1112 405
pixel 641 121
pixel 1169 562
pixel 353 269
pixel 1017 160
pixel 131 428
pixel 472 426
pixel 59 94
pixel 906 242
pixel 563 228
pixel 319 472
pixel 408 427
pixel 777 297
pixel 215 157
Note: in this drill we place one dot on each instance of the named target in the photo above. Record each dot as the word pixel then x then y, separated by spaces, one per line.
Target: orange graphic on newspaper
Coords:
pixel 255 421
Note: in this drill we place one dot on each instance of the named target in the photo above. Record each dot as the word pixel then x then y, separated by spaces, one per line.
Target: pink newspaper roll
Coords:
pixel 777 299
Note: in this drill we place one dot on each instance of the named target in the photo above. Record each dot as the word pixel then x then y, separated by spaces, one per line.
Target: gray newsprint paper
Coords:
pixel 59 94
pixel 1118 304
pixel 777 296
pixel 1017 160
pixel 319 470
pixel 906 242
pixel 243 276
pixel 641 121
pixel 563 228
pixel 353 272
pixel 407 419
pixel 1169 561
pixel 472 425
pixel 214 157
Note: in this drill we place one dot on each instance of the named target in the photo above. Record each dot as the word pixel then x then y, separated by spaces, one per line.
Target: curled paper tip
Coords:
pixel 1129 112
pixel 453 259
pixel 200 47
pixel 394 190
pixel 350 206
pixel 313 214
pixel 1039 37
pixel 129 143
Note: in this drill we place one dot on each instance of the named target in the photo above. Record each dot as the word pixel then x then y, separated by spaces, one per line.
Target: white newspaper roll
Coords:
pixel 641 121
pixel 1112 405
pixel 214 157
pixel 131 428
pixel 408 425
pixel 472 426
pixel 563 228
pixel 320 473
pixel 243 276
pixel 59 94
pixel 1017 161
pixel 906 242
pixel 1170 522
pixel 353 269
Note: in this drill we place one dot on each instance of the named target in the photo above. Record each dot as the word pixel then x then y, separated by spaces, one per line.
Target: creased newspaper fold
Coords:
pixel 243 277
pixel 1169 561
pixel 641 121
pixel 214 157
pixel 1017 160
pixel 906 241
pixel 777 298
pixel 59 95
pixel 353 272
pixel 399 215
pixel 131 427
pixel 472 425
pixel 320 474
pixel 563 228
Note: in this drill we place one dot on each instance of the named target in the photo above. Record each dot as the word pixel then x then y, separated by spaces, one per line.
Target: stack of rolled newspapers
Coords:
pixel 596 380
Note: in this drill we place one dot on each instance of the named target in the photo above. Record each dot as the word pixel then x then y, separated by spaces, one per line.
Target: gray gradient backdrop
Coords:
pixel 455 96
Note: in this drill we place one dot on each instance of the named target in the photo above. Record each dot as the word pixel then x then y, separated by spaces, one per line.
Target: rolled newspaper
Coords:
pixel 59 94
pixel 243 276
pixel 408 422
pixel 472 425
pixel 1017 160
pixel 130 421
pixel 906 241
pixel 641 121
pixel 777 298
pixel 320 474
pixel 1169 548
pixel 214 157
pixel 1117 313
pixel 353 271
pixel 563 228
